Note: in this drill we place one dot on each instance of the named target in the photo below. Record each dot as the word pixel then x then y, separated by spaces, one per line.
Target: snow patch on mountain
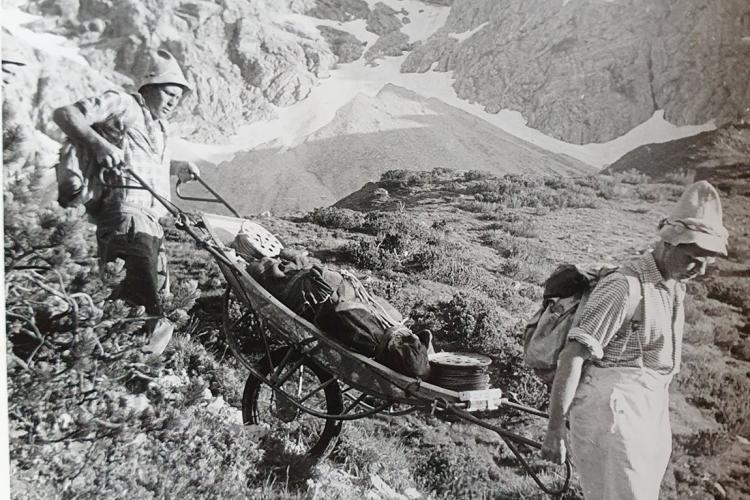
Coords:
pixel 467 34
pixel 296 122
pixel 424 20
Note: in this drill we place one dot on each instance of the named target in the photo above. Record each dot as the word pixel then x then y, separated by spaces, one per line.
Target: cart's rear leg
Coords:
pixel 308 383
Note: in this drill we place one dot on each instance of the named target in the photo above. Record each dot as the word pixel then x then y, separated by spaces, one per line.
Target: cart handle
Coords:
pixel 217 198
pixel 103 181
pixel 509 438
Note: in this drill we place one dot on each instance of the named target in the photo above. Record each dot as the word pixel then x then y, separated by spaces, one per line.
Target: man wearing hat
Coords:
pixel 613 374
pixel 119 129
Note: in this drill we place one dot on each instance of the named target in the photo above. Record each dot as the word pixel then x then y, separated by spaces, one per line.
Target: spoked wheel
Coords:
pixel 243 329
pixel 310 385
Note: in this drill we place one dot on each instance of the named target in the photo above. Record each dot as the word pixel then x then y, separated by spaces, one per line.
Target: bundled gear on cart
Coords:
pixel 338 303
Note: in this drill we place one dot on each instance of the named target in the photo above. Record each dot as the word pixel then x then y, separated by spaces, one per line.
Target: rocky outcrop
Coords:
pixel 284 68
pixel 721 156
pixel 345 46
pixel 242 56
pixel 383 20
pixel 393 44
pixel 588 71
pixel 339 10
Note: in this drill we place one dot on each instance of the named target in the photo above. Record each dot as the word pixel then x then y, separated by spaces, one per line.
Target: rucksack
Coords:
pixel 566 291
pixel 76 167
pixel 72 183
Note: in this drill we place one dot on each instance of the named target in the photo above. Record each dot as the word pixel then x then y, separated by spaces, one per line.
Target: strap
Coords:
pixel 635 295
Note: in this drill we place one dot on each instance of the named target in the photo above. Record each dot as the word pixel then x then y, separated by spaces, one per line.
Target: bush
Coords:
pixel 517 226
pixel 680 177
pixel 471 321
pixel 725 392
pixel 518 191
pixel 337 218
pixel 632 176
pixel 401 179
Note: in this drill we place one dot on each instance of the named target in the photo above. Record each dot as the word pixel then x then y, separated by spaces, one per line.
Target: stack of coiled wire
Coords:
pixel 460 371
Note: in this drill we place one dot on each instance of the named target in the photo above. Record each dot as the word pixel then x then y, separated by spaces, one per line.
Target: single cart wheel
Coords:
pixel 312 386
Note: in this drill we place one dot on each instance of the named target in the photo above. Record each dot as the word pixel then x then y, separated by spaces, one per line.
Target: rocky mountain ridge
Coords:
pixel 720 156
pixel 589 71
pixel 242 57
pixel 396 129
pixel 581 71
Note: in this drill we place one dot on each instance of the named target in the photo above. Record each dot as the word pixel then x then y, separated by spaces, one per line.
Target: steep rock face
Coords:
pixel 588 70
pixel 241 56
pixel 40 86
pixel 339 10
pixel 392 44
pixel 383 20
pixel 345 46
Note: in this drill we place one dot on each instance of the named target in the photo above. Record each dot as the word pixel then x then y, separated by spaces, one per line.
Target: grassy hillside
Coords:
pixel 461 253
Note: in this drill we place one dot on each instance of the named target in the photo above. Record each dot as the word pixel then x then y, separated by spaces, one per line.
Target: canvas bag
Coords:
pixel 72 181
pixel 566 291
pixel 76 168
pixel 360 320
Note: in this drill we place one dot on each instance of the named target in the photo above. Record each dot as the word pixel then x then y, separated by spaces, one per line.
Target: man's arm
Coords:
pixel 567 378
pixel 78 126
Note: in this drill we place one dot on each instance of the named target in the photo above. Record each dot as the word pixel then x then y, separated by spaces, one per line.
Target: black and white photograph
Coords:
pixel 375 249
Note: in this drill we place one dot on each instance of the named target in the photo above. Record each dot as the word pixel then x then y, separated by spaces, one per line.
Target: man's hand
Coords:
pixel 554 448
pixel 108 155
pixel 188 172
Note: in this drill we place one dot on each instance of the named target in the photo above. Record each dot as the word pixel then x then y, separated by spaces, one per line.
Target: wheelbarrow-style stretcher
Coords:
pixel 305 382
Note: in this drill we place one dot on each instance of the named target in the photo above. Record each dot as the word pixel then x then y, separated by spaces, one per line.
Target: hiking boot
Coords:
pixel 161 334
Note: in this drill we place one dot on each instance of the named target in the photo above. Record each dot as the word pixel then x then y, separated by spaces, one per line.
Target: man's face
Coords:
pixel 10 70
pixel 162 100
pixel 685 262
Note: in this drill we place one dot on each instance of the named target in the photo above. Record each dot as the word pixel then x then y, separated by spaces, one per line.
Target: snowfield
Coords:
pixel 294 123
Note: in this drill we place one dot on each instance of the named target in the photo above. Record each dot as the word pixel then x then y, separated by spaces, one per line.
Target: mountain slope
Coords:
pixel 590 70
pixel 722 156
pixel 397 129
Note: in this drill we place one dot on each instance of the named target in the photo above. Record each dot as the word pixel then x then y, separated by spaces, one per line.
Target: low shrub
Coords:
pixel 472 321
pixel 680 177
pixel 401 179
pixel 724 391
pixel 632 176
pixel 337 218
pixel 734 293
pixel 515 225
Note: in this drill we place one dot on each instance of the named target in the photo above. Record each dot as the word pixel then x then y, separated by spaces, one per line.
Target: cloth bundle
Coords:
pixel 340 306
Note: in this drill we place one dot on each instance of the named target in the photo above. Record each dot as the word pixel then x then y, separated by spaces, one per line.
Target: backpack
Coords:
pixel 72 184
pixel 76 167
pixel 566 291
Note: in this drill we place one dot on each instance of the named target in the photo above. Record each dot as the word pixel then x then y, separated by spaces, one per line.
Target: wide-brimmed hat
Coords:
pixel 165 70
pixel 697 218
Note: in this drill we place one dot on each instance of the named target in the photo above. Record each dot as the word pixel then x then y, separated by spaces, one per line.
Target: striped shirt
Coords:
pixel 652 339
pixel 125 121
